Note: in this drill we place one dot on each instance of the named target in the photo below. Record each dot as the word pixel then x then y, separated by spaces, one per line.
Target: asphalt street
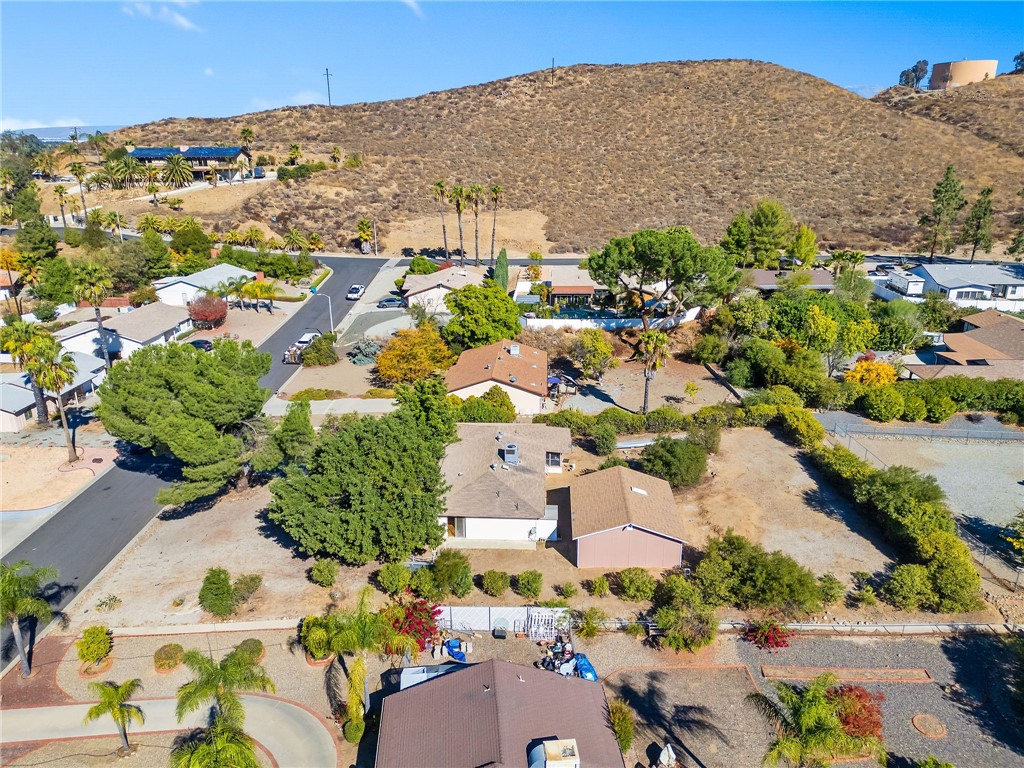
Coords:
pixel 89 532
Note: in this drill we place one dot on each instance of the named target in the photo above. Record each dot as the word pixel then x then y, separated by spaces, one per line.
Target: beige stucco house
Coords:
pixel 520 370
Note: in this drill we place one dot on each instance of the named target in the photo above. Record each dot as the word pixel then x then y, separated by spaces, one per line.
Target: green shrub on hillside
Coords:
pixel 496 583
pixel 801 426
pixel 636 584
pixel 883 403
pixel 529 584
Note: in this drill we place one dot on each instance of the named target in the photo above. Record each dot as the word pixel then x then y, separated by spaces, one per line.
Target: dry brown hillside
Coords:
pixel 993 109
pixel 607 149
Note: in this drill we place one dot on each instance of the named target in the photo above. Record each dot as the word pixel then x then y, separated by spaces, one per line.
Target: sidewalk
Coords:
pixel 293 735
pixel 275 406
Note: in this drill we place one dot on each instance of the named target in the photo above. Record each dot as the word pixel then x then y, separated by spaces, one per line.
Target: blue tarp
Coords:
pixel 452 646
pixel 584 668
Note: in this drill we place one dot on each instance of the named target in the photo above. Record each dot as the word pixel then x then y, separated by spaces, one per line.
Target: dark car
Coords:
pixel 259 173
pixel 202 344
pixel 391 302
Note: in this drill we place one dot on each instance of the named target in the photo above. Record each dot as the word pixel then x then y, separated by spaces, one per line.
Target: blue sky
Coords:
pixel 106 63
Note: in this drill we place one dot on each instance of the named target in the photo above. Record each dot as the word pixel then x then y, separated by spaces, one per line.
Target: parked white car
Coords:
pixel 355 293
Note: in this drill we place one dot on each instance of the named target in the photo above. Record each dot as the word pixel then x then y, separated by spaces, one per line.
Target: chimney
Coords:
pixel 511 454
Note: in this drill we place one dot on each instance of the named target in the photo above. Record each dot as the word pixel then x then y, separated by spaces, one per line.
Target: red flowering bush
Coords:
pixel 859 710
pixel 867 357
pixel 415 617
pixel 768 634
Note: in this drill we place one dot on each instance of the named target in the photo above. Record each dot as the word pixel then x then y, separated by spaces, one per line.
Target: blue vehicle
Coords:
pixel 584 668
pixel 259 173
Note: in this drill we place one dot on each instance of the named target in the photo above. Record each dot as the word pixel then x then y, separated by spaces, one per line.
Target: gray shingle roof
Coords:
pixel 207 279
pixel 963 275
pixel 147 323
pixel 15 399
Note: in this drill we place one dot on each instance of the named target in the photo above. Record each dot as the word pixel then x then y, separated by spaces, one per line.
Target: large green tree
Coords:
pixel 480 315
pixel 36 242
pixel 113 701
pixel 736 242
pixel 21 587
pixel 771 230
pixel 371 490
pixel 947 201
pixel 201 407
pixel 977 229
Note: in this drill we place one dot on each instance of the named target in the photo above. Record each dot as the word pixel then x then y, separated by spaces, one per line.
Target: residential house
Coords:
pixel 17 401
pixel 501 715
pixel 229 163
pixel 622 518
pixel 428 291
pixel 904 283
pixel 126 332
pixel 9 283
pixel 990 347
pixel 985 286
pixel 520 370
pixel 182 290
pixel 567 285
pixel 770 280
pixel 497 475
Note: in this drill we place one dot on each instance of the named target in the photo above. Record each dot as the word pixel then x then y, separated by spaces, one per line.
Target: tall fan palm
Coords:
pixel 294 153
pixel 20 585
pixel 92 285
pixel 222 745
pixel 362 632
pixel 653 352
pixel 60 194
pixel 254 237
pixel 808 730
pixel 247 136
pixel 440 190
pixel 460 200
pixel 22 341
pixel 475 193
pixel 115 222
pixel 218 684
pixel 131 170
pixel 497 193
pixel 294 240
pixel 113 701
pixel 176 172
pixel 78 171
pixel 54 368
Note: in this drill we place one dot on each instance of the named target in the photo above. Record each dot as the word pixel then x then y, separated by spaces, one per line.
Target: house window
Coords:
pixel 971 295
pixel 552 459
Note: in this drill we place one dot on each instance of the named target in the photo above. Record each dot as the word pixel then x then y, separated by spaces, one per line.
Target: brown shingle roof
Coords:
pixel 518 492
pixel 527 371
pixel 993 371
pixel 452 278
pixel 619 496
pixel 7 282
pixel 489 714
pixel 988 318
pixel 1006 337
pixel 962 347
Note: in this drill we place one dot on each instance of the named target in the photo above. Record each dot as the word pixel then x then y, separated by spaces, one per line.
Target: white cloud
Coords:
pixel 161 13
pixel 14 124
pixel 414 6
pixel 208 72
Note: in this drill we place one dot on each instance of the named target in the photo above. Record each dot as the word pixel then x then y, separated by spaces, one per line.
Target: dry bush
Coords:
pixel 557 342
pixel 607 150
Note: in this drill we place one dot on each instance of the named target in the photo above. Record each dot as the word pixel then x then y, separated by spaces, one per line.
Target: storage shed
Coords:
pixel 622 518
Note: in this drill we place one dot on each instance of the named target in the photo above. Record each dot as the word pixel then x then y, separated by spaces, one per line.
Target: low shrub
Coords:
pixel 553 602
pixel 777 395
pixel 623 422
pixel 636 584
pixel 314 637
pixel 317 393
pixel 832 589
pixel 768 635
pixel 73 238
pixel 679 462
pixel 859 711
pixel 707 436
pixel 909 587
pixel 45 311
pixel 667 419
pixel 353 731
pixel 529 584
pixel 883 403
pixel 914 408
pixel 759 415
pixel 710 349
pixel 415 618
pixel 95 645
pixel 366 350
pixel 605 439
pixel 722 415
pixel 424 585
pixel 842 465
pixel 324 572
pixel 496 583
pixel 168 657
pixel 393 578
pixel 447 567
pixel 246 586
pixel 462 585
pixel 251 647
pixel 940 408
pixel 598 586
pixel 612 461
pixel 216 595
pixel 621 719
pixel 801 427
pixel 568 589
pixel 379 393
pixel 579 423
pixel 320 352
pixel 589 622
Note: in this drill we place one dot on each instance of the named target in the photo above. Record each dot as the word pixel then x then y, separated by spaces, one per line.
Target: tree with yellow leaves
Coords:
pixel 871 373
pixel 412 355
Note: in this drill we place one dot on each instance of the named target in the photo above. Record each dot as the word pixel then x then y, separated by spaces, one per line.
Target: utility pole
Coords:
pixel 552 70
pixel 375 238
pixel 327 74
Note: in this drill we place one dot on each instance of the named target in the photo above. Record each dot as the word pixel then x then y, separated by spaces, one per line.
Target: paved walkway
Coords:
pixel 293 735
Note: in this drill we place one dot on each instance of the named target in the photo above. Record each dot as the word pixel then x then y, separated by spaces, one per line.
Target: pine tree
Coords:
pixel 295 436
pixel 977 229
pixel 501 269
pixel 947 201
pixel 736 242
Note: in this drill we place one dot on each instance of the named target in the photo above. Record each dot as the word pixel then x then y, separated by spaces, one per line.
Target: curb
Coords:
pixel 204 629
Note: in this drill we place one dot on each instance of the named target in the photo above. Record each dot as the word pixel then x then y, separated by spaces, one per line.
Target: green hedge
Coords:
pixel 966 394
pixel 323 276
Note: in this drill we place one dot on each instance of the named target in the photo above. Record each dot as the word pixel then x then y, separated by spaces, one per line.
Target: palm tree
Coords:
pixel 153 189
pixel 231 287
pixel 364 231
pixel 21 341
pixel 294 240
pixel 176 172
pixel 131 170
pixel 336 155
pixel 95 216
pixel 316 243
pixel 257 290
pixel 475 193
pixel 362 632
pixel 460 200
pixel 247 136
pixel 218 684
pixel 19 599
pixel 497 192
pixel 274 244
pixel 99 142
pixel 46 164
pixel 113 701
pixel 148 222
pixel 189 222
pixel 254 237
pixel 78 171
pixel 808 732
pixel 9 262
pixel 222 745
pixel 74 208
pixel 440 190
pixel 60 194
pixel 114 221
pixel 93 285
pixel 233 237
pixel 653 352
pixel 54 368
pixel 111 174
pixel 294 153
pixel 152 174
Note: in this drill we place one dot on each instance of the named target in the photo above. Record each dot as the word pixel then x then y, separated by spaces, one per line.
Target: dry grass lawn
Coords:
pixel 36 477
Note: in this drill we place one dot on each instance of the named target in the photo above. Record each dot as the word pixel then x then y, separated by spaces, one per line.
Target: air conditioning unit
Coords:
pixel 511 453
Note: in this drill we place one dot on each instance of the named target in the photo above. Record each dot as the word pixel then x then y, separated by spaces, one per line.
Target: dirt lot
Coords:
pixel 36 476
pixel 519 233
pixel 242 324
pixel 344 376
